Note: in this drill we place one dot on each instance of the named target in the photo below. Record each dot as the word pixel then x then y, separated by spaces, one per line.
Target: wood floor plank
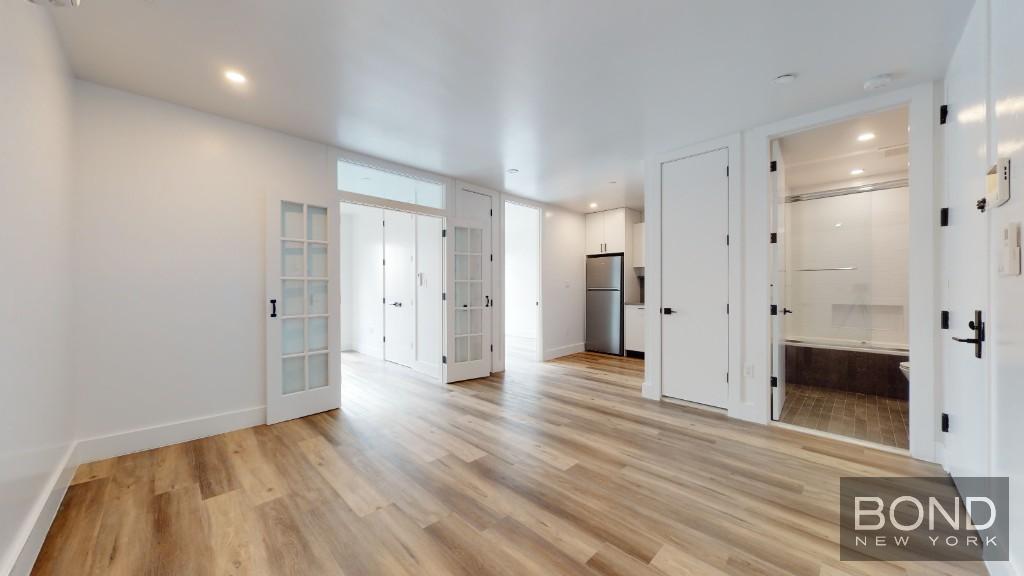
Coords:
pixel 549 468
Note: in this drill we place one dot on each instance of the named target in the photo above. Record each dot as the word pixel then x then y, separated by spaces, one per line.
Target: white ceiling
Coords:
pixel 823 158
pixel 573 93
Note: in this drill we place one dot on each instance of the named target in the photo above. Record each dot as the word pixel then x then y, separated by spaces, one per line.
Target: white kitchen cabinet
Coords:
pixel 611 231
pixel 595 233
pixel 634 328
pixel 638 245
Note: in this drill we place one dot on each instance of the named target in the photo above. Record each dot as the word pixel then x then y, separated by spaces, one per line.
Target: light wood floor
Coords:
pixel 557 468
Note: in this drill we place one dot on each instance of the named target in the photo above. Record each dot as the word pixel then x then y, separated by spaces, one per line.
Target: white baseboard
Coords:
pixel 552 353
pixel 131 441
pixel 34 531
pixel 427 369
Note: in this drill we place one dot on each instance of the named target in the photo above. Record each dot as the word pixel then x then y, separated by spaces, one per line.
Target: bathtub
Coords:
pixel 848 365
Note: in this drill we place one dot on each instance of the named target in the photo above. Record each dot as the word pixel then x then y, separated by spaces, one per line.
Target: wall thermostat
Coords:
pixel 998 183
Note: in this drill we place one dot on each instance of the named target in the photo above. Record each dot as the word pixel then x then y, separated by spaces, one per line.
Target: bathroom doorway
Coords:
pixel 840 353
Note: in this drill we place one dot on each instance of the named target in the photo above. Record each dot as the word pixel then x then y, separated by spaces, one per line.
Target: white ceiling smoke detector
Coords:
pixel 876 82
pixel 58 3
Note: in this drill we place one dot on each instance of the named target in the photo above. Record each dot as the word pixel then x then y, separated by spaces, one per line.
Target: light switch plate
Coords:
pixel 1009 259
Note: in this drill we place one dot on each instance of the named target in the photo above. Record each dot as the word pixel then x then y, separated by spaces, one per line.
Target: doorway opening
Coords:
pixel 841 211
pixel 522 283
pixel 392 281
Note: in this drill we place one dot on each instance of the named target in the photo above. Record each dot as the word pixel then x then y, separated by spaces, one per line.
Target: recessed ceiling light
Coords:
pixel 856 172
pixel 839 224
pixel 512 171
pixel 866 137
pixel 593 204
pixel 785 79
pixel 235 77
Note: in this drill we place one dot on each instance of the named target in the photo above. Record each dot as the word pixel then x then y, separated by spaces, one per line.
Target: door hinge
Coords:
pixel 944 217
pixel 944 320
pixel 444 359
pixel 945 422
pixel 384 223
pixel 492 257
pixel 444 233
pixel 384 262
pixel 774 166
pixel 773 238
pixel 444 295
pixel 726 377
pixel 383 300
pixel 385 339
pixel 492 347
pixel 774 310
pixel 726 308
pixel 726 171
pixel 943 114
pixel 492 211
pixel 726 239
pixel 775 382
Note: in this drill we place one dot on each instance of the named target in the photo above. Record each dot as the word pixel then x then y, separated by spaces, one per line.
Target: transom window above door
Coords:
pixel 361 179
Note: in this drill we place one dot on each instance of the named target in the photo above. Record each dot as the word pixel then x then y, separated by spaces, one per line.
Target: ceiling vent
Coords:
pixel 57 3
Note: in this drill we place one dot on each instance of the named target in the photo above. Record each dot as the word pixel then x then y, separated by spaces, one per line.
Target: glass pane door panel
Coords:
pixel 318 377
pixel 317 334
pixel 293 336
pixel 317 260
pixel 318 296
pixel 292 297
pixel 291 220
pixel 292 260
pixel 476 347
pixel 476 244
pixel 461 267
pixel 293 374
pixel 316 223
pixel 462 240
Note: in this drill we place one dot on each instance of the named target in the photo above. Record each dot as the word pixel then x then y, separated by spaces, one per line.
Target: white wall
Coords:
pixel 522 270
pixel 169 222
pixel 429 286
pixel 564 282
pixel 36 394
pixel 866 231
pixel 362 279
pixel 1005 328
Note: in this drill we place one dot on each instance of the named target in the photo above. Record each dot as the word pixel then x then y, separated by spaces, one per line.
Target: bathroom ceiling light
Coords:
pixel 235 77
pixel 593 205
pixel 856 172
pixel 838 224
pixel 866 137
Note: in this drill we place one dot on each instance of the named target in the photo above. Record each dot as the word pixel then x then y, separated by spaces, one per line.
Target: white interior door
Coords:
pixel 303 372
pixel 695 278
pixel 966 260
pixel 469 311
pixel 429 288
pixel 399 287
pixel 779 283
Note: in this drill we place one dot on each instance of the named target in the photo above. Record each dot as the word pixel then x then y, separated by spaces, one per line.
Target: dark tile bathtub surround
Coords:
pixel 847 370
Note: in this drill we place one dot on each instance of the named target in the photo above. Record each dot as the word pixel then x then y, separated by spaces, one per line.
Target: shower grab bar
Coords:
pixel 825 269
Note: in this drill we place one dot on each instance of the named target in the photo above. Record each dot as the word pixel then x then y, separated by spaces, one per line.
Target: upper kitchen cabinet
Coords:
pixel 611 231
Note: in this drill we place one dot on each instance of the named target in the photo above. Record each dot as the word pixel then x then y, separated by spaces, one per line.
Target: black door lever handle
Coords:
pixel 967 340
pixel 667 311
pixel 787 311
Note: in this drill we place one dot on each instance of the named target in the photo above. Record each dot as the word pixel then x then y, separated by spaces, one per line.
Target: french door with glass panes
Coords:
pixel 469 309
pixel 303 372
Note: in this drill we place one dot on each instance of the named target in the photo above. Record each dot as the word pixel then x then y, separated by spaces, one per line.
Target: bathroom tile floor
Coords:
pixel 863 416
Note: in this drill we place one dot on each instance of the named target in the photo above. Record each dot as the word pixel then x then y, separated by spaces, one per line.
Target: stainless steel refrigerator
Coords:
pixel 604 304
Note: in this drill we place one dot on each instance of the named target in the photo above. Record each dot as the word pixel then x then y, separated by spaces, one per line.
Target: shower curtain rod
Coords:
pixel 888 185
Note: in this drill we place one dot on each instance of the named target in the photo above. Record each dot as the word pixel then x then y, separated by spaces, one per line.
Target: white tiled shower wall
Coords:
pixel 867 231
